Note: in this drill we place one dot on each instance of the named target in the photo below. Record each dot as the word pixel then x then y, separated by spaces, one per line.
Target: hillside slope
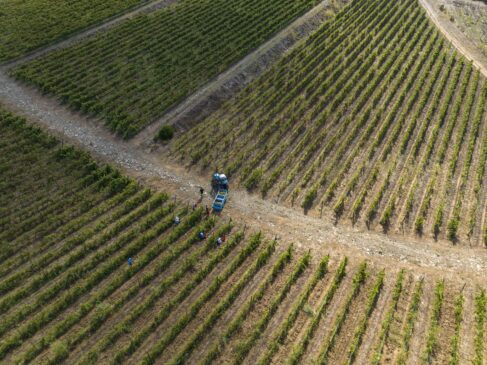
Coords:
pixel 133 73
pixel 27 25
pixel 374 119
pixel 68 295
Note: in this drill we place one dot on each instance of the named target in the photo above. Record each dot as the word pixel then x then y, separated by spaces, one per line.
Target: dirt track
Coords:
pixel 289 225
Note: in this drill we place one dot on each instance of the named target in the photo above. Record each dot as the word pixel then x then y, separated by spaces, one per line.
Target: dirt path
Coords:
pixel 290 225
pixel 454 35
pixel 221 88
pixel 90 31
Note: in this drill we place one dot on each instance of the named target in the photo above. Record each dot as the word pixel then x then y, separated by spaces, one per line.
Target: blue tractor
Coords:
pixel 219 185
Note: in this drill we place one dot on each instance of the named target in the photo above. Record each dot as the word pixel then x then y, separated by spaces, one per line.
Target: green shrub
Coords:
pixel 165 133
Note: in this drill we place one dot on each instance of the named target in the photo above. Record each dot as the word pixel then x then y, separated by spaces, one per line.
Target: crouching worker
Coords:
pixel 202 235
pixel 177 220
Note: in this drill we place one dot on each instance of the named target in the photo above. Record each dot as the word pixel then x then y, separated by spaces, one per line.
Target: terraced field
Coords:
pixel 132 74
pixel 26 25
pixel 68 226
pixel 374 120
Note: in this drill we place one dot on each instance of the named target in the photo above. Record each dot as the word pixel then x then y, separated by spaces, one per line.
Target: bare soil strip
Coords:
pixel 338 353
pixel 280 316
pixel 329 315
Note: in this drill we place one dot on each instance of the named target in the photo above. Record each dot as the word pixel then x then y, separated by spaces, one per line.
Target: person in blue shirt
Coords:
pixel 130 261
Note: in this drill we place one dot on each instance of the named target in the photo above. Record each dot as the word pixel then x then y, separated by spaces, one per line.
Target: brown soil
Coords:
pixel 205 311
pixel 248 326
pixel 338 353
pixel 467 330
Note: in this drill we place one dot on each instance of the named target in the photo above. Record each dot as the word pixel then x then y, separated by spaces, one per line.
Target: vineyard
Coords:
pixel 68 294
pixel 375 119
pixel 68 226
pixel 131 75
pixel 26 25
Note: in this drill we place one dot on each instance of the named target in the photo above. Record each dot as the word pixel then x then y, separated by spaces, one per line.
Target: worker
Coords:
pixel 219 241
pixel 202 191
pixel 201 235
pixel 177 220
pixel 130 261
pixel 214 182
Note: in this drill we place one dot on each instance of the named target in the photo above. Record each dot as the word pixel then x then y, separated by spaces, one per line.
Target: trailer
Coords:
pixel 220 200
